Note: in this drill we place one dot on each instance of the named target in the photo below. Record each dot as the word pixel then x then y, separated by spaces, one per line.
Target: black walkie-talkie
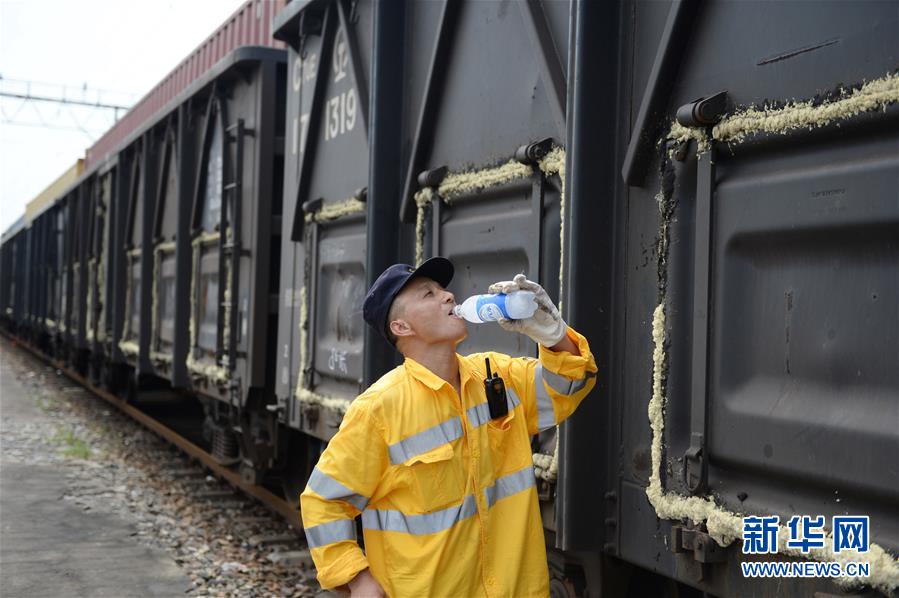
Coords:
pixel 496 393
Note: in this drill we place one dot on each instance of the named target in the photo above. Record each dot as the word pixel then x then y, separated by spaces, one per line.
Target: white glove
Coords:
pixel 546 326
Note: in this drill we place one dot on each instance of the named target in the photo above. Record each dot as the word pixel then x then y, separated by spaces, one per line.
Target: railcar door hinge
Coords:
pixel 433 177
pixel 532 153
pixel 703 112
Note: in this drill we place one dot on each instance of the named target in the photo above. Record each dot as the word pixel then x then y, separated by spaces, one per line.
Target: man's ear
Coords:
pixel 400 328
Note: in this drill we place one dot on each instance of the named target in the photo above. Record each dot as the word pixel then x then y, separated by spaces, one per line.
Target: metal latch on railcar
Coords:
pixel 698 544
pixel 702 112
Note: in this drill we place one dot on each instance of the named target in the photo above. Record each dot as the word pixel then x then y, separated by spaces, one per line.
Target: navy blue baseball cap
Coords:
pixel 385 289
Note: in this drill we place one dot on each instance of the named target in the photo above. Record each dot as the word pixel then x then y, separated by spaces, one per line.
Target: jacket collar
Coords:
pixel 432 380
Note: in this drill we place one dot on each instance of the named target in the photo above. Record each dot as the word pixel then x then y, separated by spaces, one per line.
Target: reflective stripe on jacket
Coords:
pixel 447 496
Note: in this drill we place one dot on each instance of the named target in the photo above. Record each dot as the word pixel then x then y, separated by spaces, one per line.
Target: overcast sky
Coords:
pixel 121 46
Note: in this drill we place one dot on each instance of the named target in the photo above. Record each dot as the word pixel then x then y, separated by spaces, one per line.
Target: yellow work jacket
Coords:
pixel 447 495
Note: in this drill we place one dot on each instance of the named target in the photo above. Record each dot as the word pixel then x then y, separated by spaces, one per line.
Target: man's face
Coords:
pixel 427 309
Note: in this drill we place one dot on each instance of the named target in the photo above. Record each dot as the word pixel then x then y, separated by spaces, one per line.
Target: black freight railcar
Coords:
pixel 101 211
pixel 201 187
pixel 33 309
pixel 126 223
pixel 132 297
pixel 63 300
pixel 27 279
pixel 161 259
pixel 126 281
pixel 234 254
pixel 324 234
pixel 53 221
pixel 75 347
pixel 12 282
pixel 695 241
pixel 42 283
pixel 709 188
pixel 734 260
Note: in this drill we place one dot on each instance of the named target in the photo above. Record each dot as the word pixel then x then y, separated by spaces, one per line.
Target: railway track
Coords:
pixel 290 513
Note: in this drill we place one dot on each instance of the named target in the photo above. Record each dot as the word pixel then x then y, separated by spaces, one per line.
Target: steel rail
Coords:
pixel 277 504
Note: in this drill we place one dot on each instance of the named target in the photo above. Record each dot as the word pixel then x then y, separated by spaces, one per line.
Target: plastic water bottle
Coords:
pixel 478 309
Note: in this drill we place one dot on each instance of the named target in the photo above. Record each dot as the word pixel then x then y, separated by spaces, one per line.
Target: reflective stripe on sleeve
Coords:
pixel 329 488
pixel 331 532
pixel 425 440
pixel 560 384
pixel 389 520
pixel 546 416
pixel 510 484
pixel 563 385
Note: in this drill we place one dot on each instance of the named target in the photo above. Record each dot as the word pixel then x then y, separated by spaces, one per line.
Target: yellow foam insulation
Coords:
pixel 77 317
pixel 423 199
pixel 680 134
pixel 303 394
pixel 128 347
pixel 211 371
pixel 546 467
pixel 227 295
pixel 335 210
pixel 725 526
pixel 159 358
pixel 198 242
pixel 101 292
pixel 158 252
pixel 465 183
pixel 554 163
pixel 100 275
pixel 874 95
pixel 738 127
pixel 89 312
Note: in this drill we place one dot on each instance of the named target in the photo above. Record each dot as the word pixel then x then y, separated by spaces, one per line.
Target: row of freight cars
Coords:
pixel 710 189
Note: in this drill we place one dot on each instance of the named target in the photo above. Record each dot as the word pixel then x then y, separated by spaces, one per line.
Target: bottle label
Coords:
pixel 492 308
